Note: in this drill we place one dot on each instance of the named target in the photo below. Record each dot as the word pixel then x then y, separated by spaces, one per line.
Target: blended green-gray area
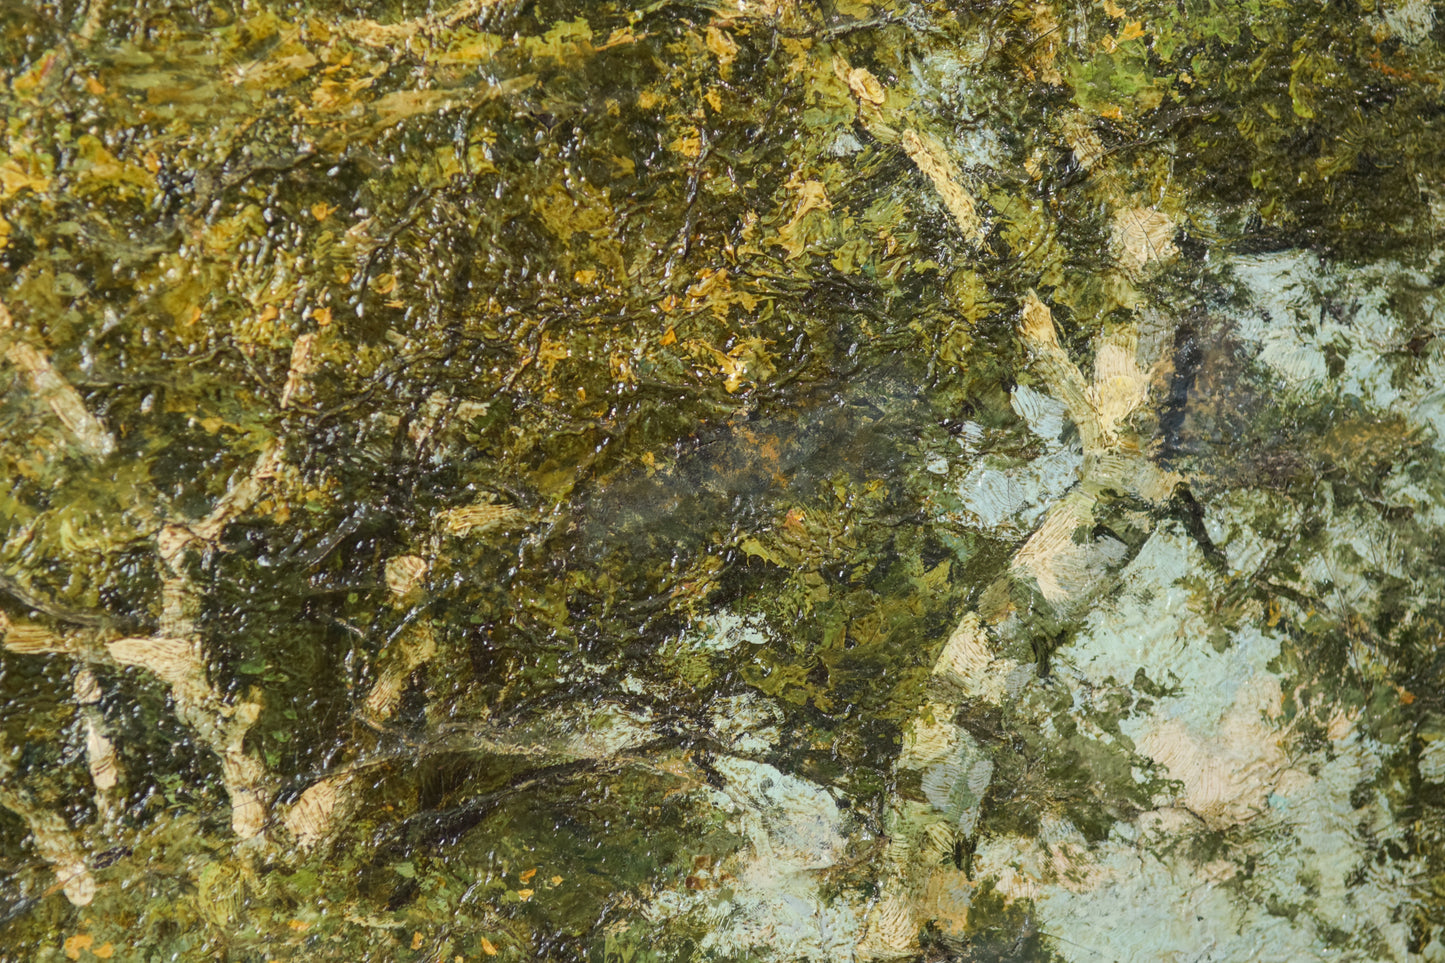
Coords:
pixel 721 481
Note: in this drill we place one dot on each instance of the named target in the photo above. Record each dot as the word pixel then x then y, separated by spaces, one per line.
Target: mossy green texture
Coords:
pixel 641 423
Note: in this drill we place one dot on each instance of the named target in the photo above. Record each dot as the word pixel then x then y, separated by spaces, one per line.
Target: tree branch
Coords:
pixel 30 638
pixel 373 34
pixel 54 839
pixel 927 153
pixel 1053 557
pixel 100 753
pixel 47 384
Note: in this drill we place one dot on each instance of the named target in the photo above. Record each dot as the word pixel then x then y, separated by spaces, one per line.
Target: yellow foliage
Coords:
pixel 865 86
pixel 1044 46
pixel 723 47
pixel 472 49
pixel 689 145
pixel 812 196
pixel 18 174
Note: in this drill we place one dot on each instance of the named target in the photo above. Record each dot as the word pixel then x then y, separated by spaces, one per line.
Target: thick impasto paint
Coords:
pixel 865 480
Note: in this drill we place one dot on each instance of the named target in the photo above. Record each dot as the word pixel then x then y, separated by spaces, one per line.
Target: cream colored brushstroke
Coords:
pixel 410 651
pixel 221 726
pixel 100 752
pixel 1051 556
pixel 928 154
pixel 300 368
pixel 891 928
pixel 27 638
pixel 176 662
pixel 1061 375
pixel 478 519
pixel 1119 387
pixel 932 159
pixel 405 574
pixel 53 838
pixel 47 384
pixel 1227 776
pixel 1141 235
pixel 967 666
pixel 931 736
pixel 313 817
pixel 865 86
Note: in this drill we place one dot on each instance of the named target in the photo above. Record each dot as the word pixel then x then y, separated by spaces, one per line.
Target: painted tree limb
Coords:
pixel 220 725
pixel 1063 378
pixel 176 657
pixel 324 807
pixel 928 154
pixel 374 34
pixel 180 599
pixel 106 772
pixel 50 387
pixel 54 840
pixel 932 159
pixel 326 804
pixel 950 765
pixel 175 654
pixel 30 638
pixel 179 664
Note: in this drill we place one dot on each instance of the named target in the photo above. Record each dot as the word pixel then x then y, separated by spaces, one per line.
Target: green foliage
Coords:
pixel 643 284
